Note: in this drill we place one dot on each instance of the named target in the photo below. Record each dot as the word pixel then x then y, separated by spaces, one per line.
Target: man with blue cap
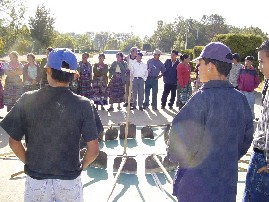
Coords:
pixel 212 131
pixel 53 119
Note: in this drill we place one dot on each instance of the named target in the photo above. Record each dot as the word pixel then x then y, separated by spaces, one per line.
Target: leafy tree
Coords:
pixel 131 42
pixel 42 28
pixel 64 41
pixel 83 41
pixel 100 40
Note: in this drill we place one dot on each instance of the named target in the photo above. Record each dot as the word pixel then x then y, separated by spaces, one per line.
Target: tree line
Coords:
pixel 38 32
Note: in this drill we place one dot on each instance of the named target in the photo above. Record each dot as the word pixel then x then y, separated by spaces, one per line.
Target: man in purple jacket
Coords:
pixel 212 131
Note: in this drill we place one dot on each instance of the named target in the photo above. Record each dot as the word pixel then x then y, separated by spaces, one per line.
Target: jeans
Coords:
pixel 151 83
pixel 251 100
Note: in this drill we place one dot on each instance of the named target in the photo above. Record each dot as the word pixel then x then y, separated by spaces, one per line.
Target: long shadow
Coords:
pixel 98 173
pixel 131 143
pixel 111 143
pixel 127 180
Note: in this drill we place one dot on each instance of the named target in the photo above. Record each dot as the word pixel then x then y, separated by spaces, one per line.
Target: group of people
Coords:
pixel 210 133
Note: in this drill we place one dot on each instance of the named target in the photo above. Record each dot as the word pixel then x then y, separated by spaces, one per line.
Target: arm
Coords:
pixel 18 149
pixel 91 153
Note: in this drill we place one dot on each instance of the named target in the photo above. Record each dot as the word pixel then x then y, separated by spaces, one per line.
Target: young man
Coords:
pixel 257 180
pixel 210 133
pixel 236 66
pixel 248 80
pixel 155 66
pixel 170 80
pixel 52 120
pixel 139 74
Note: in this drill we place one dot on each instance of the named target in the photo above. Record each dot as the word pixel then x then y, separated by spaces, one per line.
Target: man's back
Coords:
pixel 52 120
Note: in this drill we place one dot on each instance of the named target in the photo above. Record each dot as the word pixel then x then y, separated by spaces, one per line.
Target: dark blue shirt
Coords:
pixel 208 136
pixel 170 72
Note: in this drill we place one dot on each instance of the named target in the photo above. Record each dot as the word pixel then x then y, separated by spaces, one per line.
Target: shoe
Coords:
pixel 170 107
pixel 145 106
pixel 102 108
pixel 119 108
pixel 141 108
pixel 133 108
pixel 125 104
pixel 163 107
pixel 154 108
pixel 110 109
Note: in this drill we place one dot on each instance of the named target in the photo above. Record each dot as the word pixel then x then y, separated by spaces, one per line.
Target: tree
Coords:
pixel 100 40
pixel 42 28
pixel 11 20
pixel 64 41
pixel 83 41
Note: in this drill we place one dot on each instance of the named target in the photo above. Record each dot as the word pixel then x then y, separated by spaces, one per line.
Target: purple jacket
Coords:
pixel 248 79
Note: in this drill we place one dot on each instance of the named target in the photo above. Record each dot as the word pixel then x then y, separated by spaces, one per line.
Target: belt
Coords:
pixel 138 77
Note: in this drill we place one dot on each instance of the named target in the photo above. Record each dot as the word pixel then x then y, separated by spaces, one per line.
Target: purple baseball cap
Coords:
pixel 217 51
pixel 58 55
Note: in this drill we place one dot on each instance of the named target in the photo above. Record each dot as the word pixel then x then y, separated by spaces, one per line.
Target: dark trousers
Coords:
pixel 151 83
pixel 167 89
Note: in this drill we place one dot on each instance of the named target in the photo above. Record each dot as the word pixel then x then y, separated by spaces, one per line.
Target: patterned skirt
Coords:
pixel 99 91
pixel 183 94
pixel 12 91
pixel 85 87
pixel 116 89
pixel 257 184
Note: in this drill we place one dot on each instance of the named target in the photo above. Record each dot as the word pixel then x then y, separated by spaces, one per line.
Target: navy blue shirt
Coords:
pixel 208 136
pixel 52 119
pixel 170 73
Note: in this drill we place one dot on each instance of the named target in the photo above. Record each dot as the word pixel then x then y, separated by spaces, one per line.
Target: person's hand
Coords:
pixel 263 169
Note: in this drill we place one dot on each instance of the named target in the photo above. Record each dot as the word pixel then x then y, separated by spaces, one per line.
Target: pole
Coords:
pixel 170 180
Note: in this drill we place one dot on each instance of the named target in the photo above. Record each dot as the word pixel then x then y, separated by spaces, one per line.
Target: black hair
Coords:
pixel 175 52
pixel 50 49
pixel 222 67
pixel 184 56
pixel 102 55
pixel 250 58
pixel 120 54
pixel 264 47
pixel 236 56
pixel 62 76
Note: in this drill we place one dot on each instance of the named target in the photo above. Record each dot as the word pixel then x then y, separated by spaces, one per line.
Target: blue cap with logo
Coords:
pixel 59 55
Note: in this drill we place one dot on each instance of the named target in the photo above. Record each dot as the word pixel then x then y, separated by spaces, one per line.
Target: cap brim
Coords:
pixel 196 60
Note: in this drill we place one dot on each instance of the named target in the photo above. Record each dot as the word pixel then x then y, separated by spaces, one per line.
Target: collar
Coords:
pixel 217 84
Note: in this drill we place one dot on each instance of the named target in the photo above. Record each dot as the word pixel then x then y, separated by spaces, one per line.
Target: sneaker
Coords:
pixel 141 108
pixel 170 107
pixel 163 107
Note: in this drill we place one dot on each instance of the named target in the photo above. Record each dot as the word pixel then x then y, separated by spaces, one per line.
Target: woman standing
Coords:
pixel 99 83
pixel 116 85
pixel 31 74
pixel 13 85
pixel 85 76
pixel 183 80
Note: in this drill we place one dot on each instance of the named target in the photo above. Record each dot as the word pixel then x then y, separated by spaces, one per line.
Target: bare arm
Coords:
pixel 91 153
pixel 18 149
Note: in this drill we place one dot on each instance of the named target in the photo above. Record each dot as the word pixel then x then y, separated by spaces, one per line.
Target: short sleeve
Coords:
pixel 89 129
pixel 13 121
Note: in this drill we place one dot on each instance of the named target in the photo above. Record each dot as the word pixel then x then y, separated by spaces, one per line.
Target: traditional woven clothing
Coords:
pixel 85 79
pixel 99 84
pixel 13 84
pixel 31 73
pixel 1 87
pixel 116 89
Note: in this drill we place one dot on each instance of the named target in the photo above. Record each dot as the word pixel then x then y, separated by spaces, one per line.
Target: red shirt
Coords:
pixel 183 74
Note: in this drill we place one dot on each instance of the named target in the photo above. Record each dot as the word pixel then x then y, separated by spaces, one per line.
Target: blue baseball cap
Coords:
pixel 216 51
pixel 59 55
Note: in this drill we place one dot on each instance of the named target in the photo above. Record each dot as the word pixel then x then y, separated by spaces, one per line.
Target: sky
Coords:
pixel 140 16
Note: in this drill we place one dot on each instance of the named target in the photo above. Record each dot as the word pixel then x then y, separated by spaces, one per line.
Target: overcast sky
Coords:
pixel 141 16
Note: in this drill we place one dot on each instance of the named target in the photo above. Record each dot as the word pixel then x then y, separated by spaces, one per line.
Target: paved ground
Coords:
pixel 130 187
